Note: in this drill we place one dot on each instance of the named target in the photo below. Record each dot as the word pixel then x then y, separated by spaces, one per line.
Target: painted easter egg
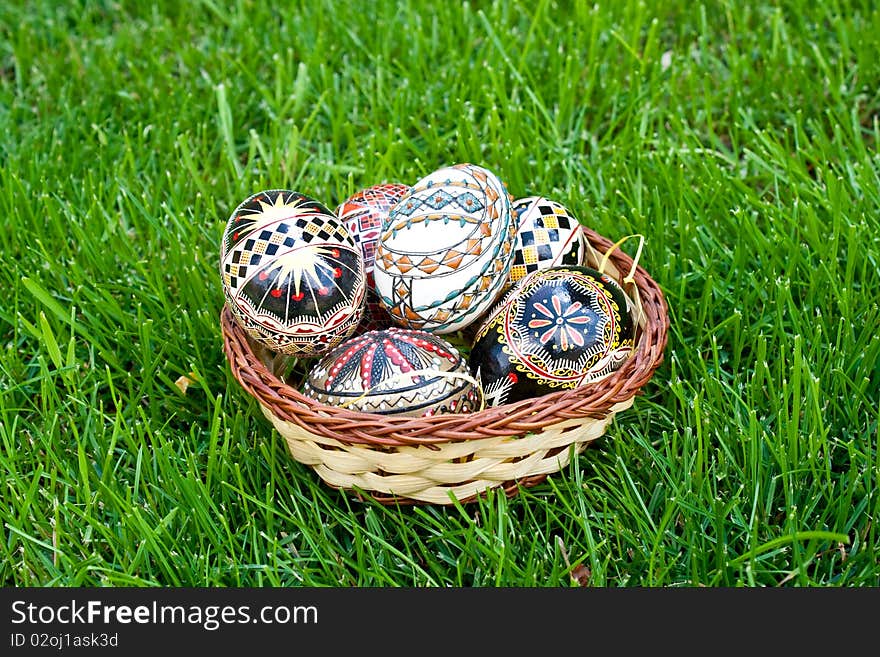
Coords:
pixel 547 235
pixel 395 371
pixel 558 328
pixel 363 213
pixel 292 274
pixel 445 253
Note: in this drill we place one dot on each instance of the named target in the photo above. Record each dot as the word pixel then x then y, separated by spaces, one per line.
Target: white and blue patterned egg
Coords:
pixel 292 275
pixel 445 252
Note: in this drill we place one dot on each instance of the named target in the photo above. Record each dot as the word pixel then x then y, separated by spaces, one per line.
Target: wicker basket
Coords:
pixel 400 460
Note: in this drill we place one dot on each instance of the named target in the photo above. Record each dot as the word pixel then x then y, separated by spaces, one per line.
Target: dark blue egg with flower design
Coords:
pixel 558 328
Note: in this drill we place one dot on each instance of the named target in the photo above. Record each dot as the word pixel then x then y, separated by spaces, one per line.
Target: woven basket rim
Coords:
pixel 592 400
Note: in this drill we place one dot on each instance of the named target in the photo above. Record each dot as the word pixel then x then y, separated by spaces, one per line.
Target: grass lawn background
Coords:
pixel 739 138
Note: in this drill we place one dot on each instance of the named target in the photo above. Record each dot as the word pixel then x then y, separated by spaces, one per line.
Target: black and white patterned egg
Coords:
pixel 394 371
pixel 547 235
pixel 292 274
pixel 558 328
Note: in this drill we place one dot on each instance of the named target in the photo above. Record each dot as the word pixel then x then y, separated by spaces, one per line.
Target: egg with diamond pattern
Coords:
pixel 445 252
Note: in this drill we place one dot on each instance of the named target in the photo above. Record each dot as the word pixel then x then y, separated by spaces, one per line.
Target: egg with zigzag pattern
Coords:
pixel 445 252
pixel 394 371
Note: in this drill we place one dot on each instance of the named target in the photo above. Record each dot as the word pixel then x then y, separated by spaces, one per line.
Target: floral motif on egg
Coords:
pixel 395 371
pixel 559 328
pixel 292 276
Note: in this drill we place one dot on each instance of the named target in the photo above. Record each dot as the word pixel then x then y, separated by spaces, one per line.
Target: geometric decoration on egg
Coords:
pixel 445 252
pixel 363 213
pixel 547 235
pixel 292 275
pixel 395 371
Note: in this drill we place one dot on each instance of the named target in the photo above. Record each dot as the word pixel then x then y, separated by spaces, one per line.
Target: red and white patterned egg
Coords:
pixel 292 275
pixel 363 214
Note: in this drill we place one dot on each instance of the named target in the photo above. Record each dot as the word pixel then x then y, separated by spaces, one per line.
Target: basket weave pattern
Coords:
pixel 427 460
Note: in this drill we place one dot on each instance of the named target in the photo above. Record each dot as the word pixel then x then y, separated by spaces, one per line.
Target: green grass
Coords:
pixel 739 138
